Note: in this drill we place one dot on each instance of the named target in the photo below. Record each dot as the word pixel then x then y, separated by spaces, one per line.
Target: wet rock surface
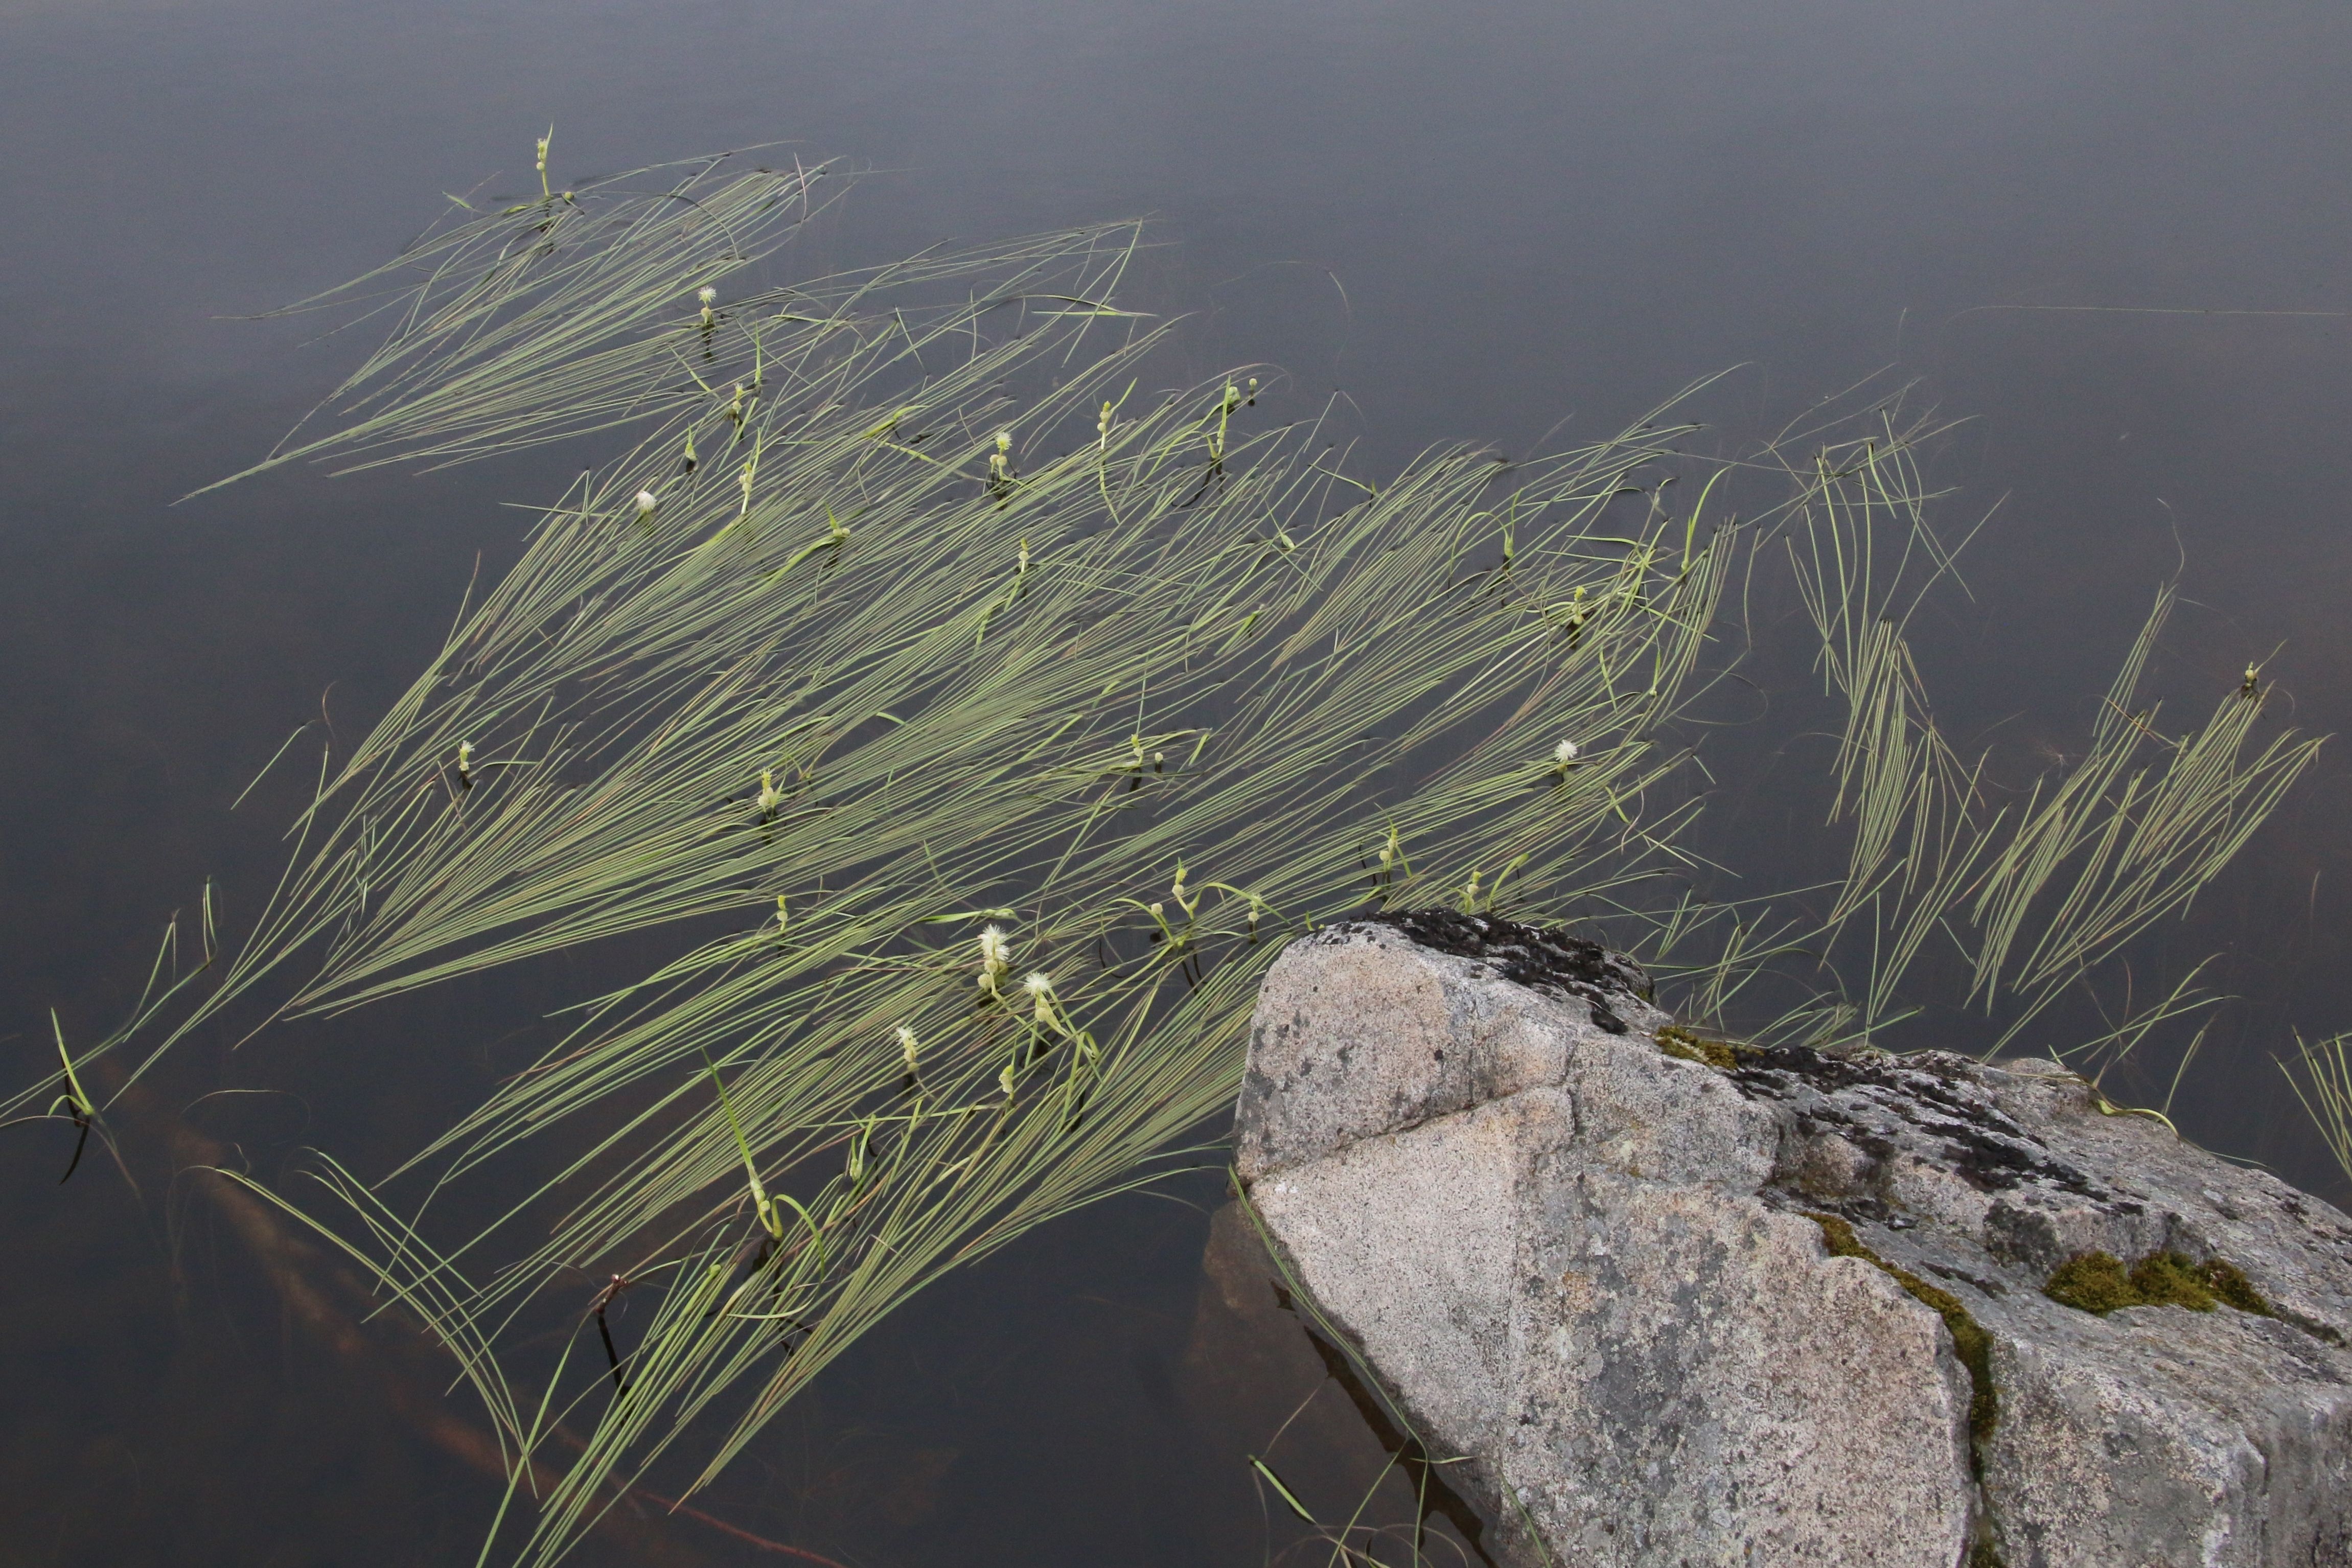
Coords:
pixel 1682 1300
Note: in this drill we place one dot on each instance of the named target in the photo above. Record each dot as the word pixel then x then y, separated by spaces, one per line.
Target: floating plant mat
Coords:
pixel 977 718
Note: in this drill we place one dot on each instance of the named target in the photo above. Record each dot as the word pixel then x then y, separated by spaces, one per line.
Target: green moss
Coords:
pixel 2229 1282
pixel 2091 1282
pixel 2097 1282
pixel 1690 1046
pixel 2169 1280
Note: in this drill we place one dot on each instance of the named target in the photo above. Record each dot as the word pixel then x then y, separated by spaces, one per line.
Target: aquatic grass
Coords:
pixel 1057 686
pixel 907 609
pixel 2321 1075
pixel 2032 898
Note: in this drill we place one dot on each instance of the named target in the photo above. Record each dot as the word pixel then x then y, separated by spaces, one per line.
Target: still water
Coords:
pixel 2113 239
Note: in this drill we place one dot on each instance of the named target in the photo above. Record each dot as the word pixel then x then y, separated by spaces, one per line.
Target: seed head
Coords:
pixel 995 952
pixel 995 956
pixel 647 501
pixel 907 1045
pixel 1040 986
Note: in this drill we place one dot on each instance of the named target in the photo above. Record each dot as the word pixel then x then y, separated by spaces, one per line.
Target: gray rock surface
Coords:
pixel 1688 1302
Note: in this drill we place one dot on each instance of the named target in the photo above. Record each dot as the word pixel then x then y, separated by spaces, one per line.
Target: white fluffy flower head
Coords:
pixel 647 501
pixel 1041 991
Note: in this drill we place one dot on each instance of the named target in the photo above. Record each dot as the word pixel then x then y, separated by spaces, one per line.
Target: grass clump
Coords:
pixel 2099 1282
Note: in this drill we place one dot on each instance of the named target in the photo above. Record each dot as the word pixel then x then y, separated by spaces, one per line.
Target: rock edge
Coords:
pixel 1695 1302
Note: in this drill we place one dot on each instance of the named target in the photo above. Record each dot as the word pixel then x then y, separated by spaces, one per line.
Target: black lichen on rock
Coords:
pixel 1931 1092
pixel 1542 958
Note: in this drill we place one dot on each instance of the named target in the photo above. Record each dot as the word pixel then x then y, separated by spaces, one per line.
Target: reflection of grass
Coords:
pixel 907 638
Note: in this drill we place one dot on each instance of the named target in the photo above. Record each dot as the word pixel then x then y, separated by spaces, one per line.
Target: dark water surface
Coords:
pixel 1475 221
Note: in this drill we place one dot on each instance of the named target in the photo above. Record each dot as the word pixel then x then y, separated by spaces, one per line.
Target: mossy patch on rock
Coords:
pixel 1690 1046
pixel 2098 1282
pixel 2229 1282
pixel 2091 1282
pixel 2168 1279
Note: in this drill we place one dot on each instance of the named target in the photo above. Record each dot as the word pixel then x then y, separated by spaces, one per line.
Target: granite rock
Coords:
pixel 1687 1301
